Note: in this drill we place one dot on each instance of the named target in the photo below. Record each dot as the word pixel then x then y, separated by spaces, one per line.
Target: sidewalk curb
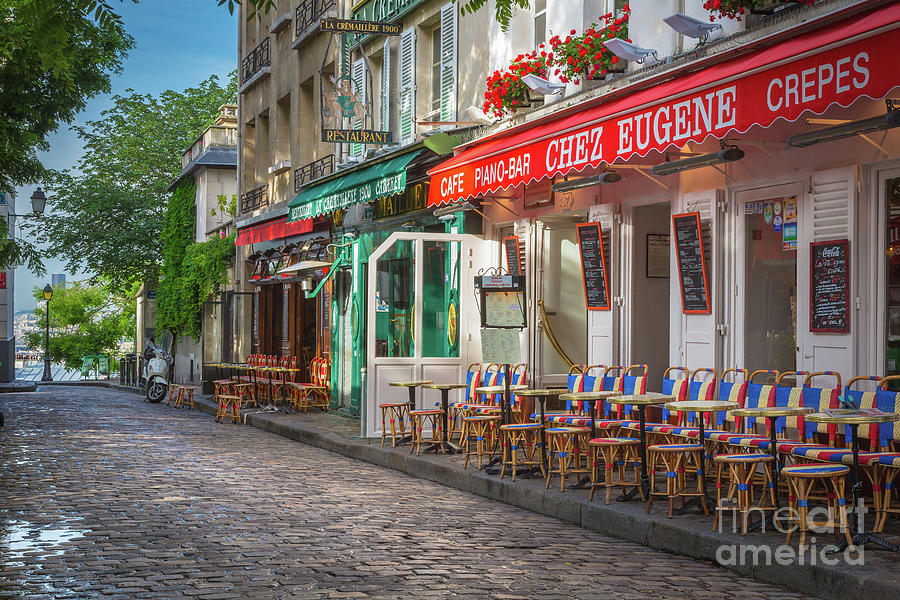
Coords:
pixel 693 538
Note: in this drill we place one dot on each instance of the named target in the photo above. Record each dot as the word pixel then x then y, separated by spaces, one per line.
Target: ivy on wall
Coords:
pixel 191 272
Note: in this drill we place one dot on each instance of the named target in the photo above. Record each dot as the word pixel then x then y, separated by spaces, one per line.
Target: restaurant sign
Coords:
pixel 366 192
pixel 413 199
pixel 708 103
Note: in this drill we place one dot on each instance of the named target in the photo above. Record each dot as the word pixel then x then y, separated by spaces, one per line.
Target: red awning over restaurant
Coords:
pixel 837 64
pixel 272 230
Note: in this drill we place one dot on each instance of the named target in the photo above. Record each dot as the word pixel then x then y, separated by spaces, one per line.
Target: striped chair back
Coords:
pixel 519 375
pixel 613 380
pixel 673 385
pixel 789 396
pixel 473 374
pixel 759 395
pixel 574 383
pixel 702 387
pixel 862 399
pixel 820 399
pixel 634 381
pixel 490 376
pixel 593 378
pixel 886 435
pixel 733 391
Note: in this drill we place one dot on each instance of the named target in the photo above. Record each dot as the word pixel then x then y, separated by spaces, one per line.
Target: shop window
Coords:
pixel 440 299
pixel 436 69
pixel 395 301
pixel 770 338
pixel 892 192
pixel 540 22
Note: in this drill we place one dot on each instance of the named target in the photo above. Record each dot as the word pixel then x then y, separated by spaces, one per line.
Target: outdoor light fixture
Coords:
pixel 544 86
pixel 583 182
pixel 47 293
pixel 446 212
pixel 38 201
pixel 306 284
pixel 476 114
pixel 629 51
pixel 886 121
pixel 691 27
pixel 729 154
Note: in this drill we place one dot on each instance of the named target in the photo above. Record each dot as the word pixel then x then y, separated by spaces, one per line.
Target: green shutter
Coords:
pixel 408 86
pixel 448 62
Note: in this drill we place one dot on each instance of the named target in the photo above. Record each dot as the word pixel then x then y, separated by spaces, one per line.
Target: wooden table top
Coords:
pixel 412 383
pixel 500 389
pixel 642 399
pixel 852 416
pixel 445 386
pixel 542 392
pixel 701 405
pixel 772 411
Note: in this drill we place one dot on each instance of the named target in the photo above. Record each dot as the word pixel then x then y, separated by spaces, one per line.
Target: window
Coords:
pixel 436 68
pixel 540 22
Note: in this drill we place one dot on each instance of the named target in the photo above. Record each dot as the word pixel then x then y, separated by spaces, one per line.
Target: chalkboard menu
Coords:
pixel 593 266
pixel 513 258
pixel 691 264
pixel 829 287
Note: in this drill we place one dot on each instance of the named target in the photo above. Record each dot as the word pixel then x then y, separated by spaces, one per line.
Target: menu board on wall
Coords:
pixel 691 264
pixel 593 266
pixel 513 256
pixel 829 287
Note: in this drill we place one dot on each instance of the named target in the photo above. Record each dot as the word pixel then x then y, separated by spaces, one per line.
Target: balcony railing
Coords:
pixel 317 168
pixel 255 198
pixel 255 61
pixel 308 12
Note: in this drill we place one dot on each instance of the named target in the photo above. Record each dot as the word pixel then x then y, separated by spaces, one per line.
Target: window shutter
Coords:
pixel 832 197
pixel 407 86
pixel 448 62
pixel 386 67
pixel 359 85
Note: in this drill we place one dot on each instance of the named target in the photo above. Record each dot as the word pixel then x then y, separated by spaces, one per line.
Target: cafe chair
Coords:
pixel 821 399
pixel 675 386
pixel 568 446
pixel 521 444
pixel 228 405
pixel 742 486
pixel 675 460
pixel 758 395
pixel 483 428
pixel 802 481
pixel 421 419
pixel 393 415
pixel 617 454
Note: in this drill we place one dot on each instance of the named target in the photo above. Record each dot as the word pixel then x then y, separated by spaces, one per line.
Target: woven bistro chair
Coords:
pixel 802 480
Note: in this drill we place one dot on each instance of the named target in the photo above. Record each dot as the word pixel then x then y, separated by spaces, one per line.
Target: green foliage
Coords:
pixel 256 6
pixel 177 235
pixel 503 9
pixel 84 319
pixel 204 274
pixel 108 217
pixel 16 252
pixel 53 58
pixel 225 205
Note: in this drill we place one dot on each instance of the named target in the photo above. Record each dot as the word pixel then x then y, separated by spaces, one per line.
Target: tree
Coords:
pixel 53 58
pixel 84 319
pixel 108 218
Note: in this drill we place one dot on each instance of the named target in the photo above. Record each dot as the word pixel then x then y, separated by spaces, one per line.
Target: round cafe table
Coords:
pixel 410 385
pixel 642 401
pixel 772 414
pixel 702 407
pixel 590 398
pixel 505 401
pixel 444 388
pixel 855 418
pixel 541 396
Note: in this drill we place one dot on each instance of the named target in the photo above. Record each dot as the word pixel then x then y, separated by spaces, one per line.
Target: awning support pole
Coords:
pixel 334 268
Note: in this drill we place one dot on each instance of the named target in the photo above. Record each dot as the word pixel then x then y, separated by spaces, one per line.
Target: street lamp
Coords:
pixel 48 293
pixel 38 201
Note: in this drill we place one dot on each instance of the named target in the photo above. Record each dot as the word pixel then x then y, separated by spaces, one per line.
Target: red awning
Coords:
pixel 834 65
pixel 272 230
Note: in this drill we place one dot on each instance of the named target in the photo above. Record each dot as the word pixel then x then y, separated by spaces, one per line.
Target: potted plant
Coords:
pixel 585 55
pixel 735 9
pixel 505 91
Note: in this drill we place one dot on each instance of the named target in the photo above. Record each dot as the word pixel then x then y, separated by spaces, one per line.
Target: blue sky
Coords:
pixel 178 43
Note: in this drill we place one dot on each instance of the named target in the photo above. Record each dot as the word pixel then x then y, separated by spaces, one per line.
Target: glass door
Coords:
pixel 892 300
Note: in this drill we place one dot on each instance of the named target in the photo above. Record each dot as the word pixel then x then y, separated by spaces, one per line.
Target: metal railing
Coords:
pixel 317 168
pixel 309 12
pixel 255 61
pixel 255 198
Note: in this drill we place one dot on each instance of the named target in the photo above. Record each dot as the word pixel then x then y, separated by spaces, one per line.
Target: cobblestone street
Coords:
pixel 102 495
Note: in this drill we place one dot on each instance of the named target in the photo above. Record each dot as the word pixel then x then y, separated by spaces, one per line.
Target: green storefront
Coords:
pixel 367 204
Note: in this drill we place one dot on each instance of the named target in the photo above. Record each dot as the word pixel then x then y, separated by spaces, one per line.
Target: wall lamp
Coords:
pixel 888 120
pixel 629 51
pixel 691 27
pixel 583 182
pixel 725 155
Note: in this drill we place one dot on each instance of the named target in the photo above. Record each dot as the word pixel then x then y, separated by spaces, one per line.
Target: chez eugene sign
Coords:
pixel 590 138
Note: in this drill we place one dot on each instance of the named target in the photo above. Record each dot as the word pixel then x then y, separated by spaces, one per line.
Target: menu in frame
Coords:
pixel 829 287
pixel 593 266
pixel 692 278
pixel 513 255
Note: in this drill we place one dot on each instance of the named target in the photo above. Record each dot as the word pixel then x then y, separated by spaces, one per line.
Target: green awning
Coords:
pixel 364 185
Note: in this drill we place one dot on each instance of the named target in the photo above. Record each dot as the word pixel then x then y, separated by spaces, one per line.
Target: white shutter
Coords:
pixel 386 86
pixel 407 86
pixel 448 62
pixel 700 343
pixel 358 73
pixel 829 215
